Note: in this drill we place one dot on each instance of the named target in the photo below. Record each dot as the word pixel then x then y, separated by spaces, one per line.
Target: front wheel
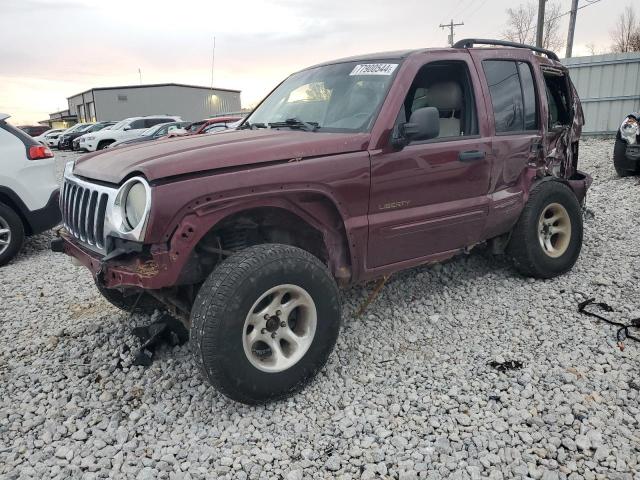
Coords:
pixel 264 322
pixel 547 239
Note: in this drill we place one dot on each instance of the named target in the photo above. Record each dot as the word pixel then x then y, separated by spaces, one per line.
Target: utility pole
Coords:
pixel 451 26
pixel 540 30
pixel 572 27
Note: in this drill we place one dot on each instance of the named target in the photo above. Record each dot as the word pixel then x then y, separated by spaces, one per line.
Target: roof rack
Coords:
pixel 470 42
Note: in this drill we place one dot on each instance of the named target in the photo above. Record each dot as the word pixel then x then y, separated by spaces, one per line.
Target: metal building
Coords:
pixel 609 87
pixel 188 101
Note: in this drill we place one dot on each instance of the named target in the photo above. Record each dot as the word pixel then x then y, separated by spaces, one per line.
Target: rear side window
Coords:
pixel 150 122
pixel 513 95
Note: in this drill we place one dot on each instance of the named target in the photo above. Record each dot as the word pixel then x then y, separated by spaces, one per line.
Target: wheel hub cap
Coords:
pixel 554 230
pixel 279 328
pixel 5 235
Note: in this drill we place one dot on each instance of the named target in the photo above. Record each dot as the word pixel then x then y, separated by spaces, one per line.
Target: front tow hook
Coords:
pixel 57 245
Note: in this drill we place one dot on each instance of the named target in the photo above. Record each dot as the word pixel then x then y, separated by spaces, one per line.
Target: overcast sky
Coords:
pixel 52 49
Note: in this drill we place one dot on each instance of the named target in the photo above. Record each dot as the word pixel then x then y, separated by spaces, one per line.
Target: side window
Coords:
pixel 558 99
pixel 150 122
pixel 136 124
pixel 447 87
pixel 513 95
pixel 529 96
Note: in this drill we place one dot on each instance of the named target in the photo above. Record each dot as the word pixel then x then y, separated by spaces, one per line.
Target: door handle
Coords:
pixel 471 155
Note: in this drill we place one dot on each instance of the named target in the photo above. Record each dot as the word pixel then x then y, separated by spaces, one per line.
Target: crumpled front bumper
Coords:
pixel 150 271
pixel 631 160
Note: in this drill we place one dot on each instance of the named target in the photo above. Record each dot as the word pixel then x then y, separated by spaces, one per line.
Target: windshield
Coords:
pixel 96 127
pixel 121 124
pixel 151 130
pixel 85 128
pixel 343 97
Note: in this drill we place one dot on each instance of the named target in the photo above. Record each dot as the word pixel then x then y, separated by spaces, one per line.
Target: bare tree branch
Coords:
pixel 521 25
pixel 626 33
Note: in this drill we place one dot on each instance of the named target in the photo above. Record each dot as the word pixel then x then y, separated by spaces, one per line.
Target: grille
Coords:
pixel 83 210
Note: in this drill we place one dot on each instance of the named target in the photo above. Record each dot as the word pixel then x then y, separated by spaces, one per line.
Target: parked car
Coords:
pixel 626 151
pixel 42 138
pixel 96 127
pixel 348 171
pixel 73 128
pixel 123 130
pixel 51 138
pixel 154 133
pixel 28 189
pixel 34 130
pixel 66 138
pixel 212 124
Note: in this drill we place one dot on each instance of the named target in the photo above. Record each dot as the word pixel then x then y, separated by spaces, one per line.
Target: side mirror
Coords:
pixel 128 127
pixel 424 124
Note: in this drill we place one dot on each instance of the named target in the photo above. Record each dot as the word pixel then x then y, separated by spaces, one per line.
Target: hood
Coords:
pixel 198 153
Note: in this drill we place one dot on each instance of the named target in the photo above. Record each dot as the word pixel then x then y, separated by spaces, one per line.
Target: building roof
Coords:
pixel 151 85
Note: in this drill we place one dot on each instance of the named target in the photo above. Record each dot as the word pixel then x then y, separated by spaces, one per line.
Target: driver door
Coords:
pixel 430 197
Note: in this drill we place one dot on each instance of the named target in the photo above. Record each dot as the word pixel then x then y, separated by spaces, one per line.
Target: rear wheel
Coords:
pixel 11 234
pixel 264 322
pixel 547 239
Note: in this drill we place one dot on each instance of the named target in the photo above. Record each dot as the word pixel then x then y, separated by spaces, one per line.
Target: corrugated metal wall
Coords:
pixel 189 103
pixel 609 87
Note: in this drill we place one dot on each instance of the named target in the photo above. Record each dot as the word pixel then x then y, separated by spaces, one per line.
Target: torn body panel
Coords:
pixel 566 119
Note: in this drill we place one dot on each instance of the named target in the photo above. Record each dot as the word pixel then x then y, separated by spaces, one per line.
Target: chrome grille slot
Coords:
pixel 84 210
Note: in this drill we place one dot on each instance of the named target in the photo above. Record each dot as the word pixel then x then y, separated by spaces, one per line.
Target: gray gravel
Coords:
pixel 407 394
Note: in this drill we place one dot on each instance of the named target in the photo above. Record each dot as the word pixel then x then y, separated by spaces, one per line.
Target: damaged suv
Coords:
pixel 346 172
pixel 626 152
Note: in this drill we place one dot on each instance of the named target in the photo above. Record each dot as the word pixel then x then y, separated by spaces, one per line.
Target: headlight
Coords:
pixel 135 205
pixel 131 207
pixel 629 130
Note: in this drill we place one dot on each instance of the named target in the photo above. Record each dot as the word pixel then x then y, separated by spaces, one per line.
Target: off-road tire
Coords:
pixel 619 153
pixel 14 224
pixel 226 298
pixel 146 305
pixel 528 255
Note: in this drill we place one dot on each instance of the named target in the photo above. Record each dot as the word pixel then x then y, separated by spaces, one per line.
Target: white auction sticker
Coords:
pixel 374 69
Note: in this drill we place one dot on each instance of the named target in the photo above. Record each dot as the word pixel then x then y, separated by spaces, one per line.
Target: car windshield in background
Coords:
pixel 151 130
pixel 343 97
pixel 120 125
pixel 85 128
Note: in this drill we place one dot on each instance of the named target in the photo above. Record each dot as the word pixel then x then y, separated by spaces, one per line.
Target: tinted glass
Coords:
pixel 136 124
pixel 506 95
pixel 150 122
pixel 529 94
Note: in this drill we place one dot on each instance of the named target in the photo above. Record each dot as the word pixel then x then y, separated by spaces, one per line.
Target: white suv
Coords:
pixel 123 130
pixel 29 198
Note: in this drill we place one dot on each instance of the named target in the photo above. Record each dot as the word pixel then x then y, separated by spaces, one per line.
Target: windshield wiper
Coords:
pixel 252 126
pixel 296 123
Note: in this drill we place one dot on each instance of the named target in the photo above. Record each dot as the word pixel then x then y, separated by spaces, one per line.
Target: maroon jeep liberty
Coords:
pixel 346 172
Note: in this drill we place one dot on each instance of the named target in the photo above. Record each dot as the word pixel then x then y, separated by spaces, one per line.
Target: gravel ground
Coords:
pixel 408 393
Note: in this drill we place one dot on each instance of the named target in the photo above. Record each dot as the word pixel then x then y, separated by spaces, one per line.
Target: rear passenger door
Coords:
pixel 512 98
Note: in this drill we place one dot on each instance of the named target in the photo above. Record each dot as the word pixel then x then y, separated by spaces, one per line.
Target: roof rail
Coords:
pixel 470 42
